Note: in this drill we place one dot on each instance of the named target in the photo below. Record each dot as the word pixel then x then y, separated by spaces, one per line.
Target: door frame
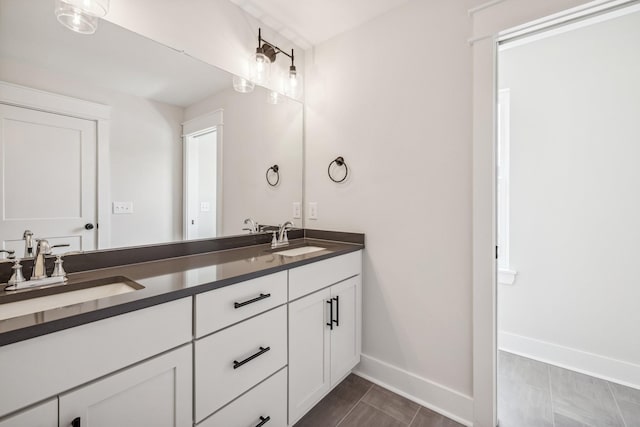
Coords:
pixel 212 121
pixel 35 99
pixel 494 22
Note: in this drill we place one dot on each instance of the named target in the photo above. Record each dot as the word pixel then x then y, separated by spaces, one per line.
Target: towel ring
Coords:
pixel 339 161
pixel 275 170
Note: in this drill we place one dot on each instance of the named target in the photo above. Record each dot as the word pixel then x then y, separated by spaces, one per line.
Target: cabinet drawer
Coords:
pixel 266 403
pixel 232 361
pixel 231 304
pixel 42 367
pixel 311 277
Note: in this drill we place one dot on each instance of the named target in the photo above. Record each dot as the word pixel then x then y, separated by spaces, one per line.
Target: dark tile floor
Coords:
pixel 356 402
pixel 535 394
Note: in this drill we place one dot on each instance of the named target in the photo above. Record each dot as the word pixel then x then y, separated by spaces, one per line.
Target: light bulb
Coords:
pixel 293 84
pixel 261 68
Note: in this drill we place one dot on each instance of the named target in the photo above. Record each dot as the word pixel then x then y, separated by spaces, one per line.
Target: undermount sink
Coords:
pixel 300 251
pixel 37 300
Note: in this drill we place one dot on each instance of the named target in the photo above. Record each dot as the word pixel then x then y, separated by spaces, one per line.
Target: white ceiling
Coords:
pixel 310 22
pixel 112 58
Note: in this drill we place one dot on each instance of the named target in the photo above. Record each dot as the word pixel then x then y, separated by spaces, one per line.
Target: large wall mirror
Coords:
pixel 112 140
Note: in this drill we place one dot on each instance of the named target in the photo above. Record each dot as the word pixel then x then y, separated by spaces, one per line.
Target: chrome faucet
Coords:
pixel 27 236
pixel 10 253
pixel 253 226
pixel 281 238
pixel 43 248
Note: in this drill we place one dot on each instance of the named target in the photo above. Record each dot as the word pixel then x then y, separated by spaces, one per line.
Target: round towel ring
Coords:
pixel 275 170
pixel 339 161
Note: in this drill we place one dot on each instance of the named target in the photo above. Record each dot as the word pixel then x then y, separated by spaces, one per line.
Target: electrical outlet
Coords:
pixel 313 210
pixel 297 210
pixel 122 208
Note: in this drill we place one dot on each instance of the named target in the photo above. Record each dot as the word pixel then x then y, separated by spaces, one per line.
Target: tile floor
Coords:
pixel 535 394
pixel 356 402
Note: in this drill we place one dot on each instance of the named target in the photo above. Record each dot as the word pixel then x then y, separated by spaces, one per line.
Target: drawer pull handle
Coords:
pixel 251 301
pixel 75 422
pixel 330 324
pixel 337 300
pixel 262 351
pixel 263 421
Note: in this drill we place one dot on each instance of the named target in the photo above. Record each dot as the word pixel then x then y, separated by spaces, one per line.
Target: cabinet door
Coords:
pixel 155 393
pixel 346 335
pixel 43 415
pixel 309 373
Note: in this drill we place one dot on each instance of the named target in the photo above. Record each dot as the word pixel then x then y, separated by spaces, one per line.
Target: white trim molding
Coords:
pixel 490 25
pixel 27 97
pixel 437 397
pixel 595 365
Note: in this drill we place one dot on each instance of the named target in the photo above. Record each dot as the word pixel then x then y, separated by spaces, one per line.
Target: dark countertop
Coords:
pixel 163 280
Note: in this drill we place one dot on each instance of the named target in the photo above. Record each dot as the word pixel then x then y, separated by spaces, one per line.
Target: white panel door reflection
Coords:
pixel 47 179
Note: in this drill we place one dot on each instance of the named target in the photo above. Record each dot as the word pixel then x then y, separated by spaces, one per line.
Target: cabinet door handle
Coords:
pixel 262 351
pixel 330 323
pixel 75 422
pixel 263 421
pixel 337 300
pixel 251 301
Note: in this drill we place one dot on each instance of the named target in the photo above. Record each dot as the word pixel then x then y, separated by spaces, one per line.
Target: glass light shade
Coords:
pixel 293 84
pixel 242 85
pixel 97 8
pixel 75 19
pixel 274 97
pixel 260 68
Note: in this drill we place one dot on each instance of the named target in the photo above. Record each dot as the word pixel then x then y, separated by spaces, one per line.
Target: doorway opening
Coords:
pixel 201 184
pixel 567 206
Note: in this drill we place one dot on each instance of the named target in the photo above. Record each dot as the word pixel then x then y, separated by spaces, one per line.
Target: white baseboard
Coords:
pixel 596 365
pixel 429 394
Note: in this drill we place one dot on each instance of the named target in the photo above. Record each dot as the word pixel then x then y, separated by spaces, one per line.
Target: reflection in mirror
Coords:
pixel 114 140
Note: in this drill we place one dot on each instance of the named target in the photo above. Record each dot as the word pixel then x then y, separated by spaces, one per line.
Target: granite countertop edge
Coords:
pixel 32 331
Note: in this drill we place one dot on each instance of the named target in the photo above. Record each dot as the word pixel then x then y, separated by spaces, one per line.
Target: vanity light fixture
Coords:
pixel 242 85
pixel 266 53
pixel 81 16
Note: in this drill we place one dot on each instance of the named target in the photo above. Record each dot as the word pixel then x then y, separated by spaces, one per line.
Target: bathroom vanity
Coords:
pixel 238 337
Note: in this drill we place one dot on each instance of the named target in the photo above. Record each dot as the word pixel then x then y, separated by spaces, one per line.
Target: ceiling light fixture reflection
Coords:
pixel 81 16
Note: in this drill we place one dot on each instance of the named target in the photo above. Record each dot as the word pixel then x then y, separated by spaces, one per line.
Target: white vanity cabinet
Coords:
pixel 155 393
pixel 42 415
pixel 48 366
pixel 324 329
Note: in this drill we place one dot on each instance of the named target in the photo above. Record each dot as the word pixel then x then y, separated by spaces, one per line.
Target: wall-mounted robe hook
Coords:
pixel 274 171
pixel 339 161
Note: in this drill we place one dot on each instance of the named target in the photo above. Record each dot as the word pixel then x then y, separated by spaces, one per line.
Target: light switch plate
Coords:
pixel 122 208
pixel 205 206
pixel 297 211
pixel 313 210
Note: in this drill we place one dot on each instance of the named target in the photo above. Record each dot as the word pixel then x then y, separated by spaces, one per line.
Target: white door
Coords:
pixel 155 393
pixel 47 179
pixel 345 339
pixel 309 352
pixel 201 185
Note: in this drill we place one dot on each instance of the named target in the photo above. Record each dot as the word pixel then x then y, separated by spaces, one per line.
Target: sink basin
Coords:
pixel 35 301
pixel 300 251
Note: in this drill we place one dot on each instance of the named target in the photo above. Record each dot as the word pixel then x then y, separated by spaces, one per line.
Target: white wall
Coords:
pixel 145 136
pixel 575 100
pixel 256 135
pixel 394 98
